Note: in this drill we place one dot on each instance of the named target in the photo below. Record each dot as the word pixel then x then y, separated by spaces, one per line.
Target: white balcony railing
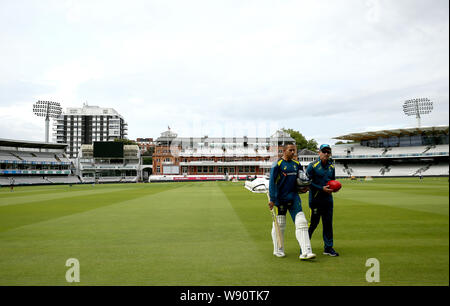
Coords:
pixel 365 156
pixel 263 164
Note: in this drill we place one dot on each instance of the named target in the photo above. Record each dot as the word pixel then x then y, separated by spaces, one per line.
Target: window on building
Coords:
pixel 405 141
pixel 416 140
pixel 393 141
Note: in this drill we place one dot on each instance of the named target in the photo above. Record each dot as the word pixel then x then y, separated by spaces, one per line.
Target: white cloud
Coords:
pixel 19 122
pixel 207 67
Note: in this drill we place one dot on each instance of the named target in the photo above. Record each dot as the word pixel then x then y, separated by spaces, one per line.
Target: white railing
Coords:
pixel 365 156
pixel 379 170
pixel 230 163
pixel 114 167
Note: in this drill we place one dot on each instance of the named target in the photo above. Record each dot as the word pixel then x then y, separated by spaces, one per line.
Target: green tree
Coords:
pixel 301 141
pixel 147 160
pixel 125 141
pixel 312 145
pixel 149 152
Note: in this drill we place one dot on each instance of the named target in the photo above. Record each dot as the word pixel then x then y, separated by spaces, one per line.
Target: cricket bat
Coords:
pixel 277 226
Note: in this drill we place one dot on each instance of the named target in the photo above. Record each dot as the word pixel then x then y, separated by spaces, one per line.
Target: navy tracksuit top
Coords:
pixel 320 175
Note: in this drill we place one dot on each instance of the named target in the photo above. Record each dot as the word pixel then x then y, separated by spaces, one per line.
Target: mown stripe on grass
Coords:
pixel 6 192
pixel 435 204
pixel 253 212
pixel 39 197
pixel 13 216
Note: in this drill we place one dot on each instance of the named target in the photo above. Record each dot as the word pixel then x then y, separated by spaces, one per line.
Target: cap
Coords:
pixel 324 146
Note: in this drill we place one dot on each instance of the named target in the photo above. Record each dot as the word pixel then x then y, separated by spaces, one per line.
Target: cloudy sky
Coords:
pixel 226 67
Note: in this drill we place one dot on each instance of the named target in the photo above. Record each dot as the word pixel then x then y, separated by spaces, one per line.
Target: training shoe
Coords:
pixel 307 256
pixel 331 252
pixel 279 254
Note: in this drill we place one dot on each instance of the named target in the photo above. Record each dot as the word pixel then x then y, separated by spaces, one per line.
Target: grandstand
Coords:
pixel 419 152
pixel 29 163
pixel 221 157
pixel 109 162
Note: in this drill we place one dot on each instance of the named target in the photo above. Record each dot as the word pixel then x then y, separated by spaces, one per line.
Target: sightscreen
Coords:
pixel 108 149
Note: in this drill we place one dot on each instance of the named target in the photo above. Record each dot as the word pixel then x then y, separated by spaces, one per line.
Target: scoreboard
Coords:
pixel 108 149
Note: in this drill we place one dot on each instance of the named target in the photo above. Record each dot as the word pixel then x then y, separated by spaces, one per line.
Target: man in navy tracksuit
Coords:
pixel 321 172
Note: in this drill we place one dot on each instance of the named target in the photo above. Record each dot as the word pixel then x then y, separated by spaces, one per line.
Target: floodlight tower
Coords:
pixel 417 107
pixel 47 109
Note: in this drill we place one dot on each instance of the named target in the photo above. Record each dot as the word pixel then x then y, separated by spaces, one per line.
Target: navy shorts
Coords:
pixel 294 207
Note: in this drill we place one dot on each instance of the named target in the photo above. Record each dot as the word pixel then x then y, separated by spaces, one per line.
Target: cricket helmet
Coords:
pixel 303 179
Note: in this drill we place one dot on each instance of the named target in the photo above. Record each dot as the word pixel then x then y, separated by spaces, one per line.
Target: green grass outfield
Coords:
pixel 218 233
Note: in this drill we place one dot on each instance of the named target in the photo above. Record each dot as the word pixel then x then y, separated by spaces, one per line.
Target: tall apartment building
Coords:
pixel 78 126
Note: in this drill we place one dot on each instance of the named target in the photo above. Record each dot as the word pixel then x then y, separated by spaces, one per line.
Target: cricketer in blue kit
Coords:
pixel 284 196
pixel 321 172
